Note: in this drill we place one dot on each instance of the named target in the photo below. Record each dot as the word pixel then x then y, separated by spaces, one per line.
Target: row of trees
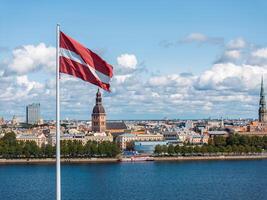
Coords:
pixel 233 145
pixel 236 139
pixel 11 148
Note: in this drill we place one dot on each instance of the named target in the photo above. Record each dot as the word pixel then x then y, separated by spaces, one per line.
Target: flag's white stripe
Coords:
pixel 75 57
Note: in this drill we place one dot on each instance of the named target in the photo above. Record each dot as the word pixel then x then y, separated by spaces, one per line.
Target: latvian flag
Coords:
pixel 79 61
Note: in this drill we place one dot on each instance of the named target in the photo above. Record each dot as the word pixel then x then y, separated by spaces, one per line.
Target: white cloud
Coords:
pixel 170 80
pixel 260 53
pixel 208 106
pixel 199 37
pixel 121 78
pixel 225 89
pixel 238 43
pixel 225 76
pixel 202 39
pixel 29 58
pixel 127 61
pixel 232 54
pixel 24 82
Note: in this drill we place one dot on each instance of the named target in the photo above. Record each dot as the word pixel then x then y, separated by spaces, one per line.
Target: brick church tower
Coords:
pixel 98 115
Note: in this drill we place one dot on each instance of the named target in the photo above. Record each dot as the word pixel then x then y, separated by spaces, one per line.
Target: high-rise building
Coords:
pixel 33 113
pixel 262 105
pixel 98 115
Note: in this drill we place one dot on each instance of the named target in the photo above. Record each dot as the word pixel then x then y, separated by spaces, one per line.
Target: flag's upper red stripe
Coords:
pixel 87 55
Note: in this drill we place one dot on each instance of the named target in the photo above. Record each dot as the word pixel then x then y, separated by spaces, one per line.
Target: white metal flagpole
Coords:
pixel 58 189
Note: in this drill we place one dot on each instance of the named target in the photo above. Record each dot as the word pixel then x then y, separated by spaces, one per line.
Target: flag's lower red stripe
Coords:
pixel 73 68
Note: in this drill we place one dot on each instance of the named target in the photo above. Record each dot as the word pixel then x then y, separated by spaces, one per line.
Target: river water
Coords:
pixel 209 180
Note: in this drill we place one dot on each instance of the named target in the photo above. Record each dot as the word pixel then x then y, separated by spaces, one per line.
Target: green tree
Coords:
pixel 219 141
pixel 158 149
pixel 171 150
pixel 49 153
pixel 177 149
pixel 164 149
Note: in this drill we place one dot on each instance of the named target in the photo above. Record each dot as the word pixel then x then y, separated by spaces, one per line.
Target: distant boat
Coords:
pixel 137 159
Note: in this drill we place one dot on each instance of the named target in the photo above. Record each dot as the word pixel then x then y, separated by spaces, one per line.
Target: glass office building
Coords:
pixel 147 146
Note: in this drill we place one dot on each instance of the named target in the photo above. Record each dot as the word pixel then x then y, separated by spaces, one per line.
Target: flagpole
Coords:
pixel 58 171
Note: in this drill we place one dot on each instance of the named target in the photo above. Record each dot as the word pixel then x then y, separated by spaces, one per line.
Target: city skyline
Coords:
pixel 187 70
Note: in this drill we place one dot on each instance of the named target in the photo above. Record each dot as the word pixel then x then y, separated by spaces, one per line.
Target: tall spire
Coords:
pixel 262 104
pixel 262 94
pixel 98 97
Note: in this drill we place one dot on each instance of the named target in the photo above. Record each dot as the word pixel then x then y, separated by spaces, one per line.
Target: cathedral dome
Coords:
pixel 98 109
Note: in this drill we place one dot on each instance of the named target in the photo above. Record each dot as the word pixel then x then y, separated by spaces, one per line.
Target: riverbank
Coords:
pixel 195 158
pixel 114 160
pixel 53 161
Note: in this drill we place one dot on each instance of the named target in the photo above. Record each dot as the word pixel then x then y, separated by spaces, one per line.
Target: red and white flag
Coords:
pixel 79 61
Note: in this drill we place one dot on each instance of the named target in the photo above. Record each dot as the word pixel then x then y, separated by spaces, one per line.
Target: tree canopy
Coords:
pixel 11 148
pixel 233 145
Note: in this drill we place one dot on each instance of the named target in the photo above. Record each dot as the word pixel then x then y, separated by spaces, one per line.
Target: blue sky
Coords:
pixel 166 38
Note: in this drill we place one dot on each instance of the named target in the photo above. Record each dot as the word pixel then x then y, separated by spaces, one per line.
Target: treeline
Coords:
pixel 233 145
pixel 11 148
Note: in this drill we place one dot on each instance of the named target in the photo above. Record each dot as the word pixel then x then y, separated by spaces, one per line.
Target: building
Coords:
pixel 171 135
pixel 33 113
pixel 95 137
pixel 126 138
pixel 148 146
pixel 116 128
pixel 198 139
pixel 39 139
pixel 99 137
pixel 98 115
pixel 262 105
pixel 213 134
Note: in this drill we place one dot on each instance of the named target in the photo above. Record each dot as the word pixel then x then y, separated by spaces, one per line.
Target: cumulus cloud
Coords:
pixel 229 76
pixel 29 58
pixel 257 57
pixel 127 61
pixel 24 82
pixel 237 43
pixel 229 56
pixel 234 54
pixel 260 53
pixel 170 80
pixel 121 78
pixel 127 64
pixel 226 89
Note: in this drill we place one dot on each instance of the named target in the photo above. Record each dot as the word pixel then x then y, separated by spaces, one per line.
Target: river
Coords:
pixel 209 180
